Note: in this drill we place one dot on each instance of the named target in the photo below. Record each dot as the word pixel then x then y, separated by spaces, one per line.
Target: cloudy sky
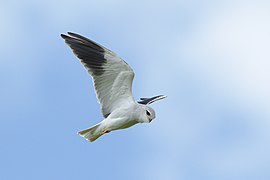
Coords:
pixel 211 58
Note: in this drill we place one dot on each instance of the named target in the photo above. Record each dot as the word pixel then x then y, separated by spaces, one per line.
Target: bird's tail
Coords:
pixel 92 133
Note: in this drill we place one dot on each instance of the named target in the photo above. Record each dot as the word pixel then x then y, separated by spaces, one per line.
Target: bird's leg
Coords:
pixel 105 131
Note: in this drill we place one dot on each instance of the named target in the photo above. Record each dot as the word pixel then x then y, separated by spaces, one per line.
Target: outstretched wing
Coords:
pixel 151 100
pixel 111 75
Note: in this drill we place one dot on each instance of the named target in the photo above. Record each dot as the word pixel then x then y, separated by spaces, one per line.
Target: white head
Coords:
pixel 147 114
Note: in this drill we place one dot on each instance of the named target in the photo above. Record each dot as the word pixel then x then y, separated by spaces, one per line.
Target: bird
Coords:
pixel 112 79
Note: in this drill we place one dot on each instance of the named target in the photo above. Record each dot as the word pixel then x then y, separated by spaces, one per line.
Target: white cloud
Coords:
pixel 232 49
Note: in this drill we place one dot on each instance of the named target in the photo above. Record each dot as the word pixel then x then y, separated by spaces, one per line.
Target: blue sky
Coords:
pixel 211 58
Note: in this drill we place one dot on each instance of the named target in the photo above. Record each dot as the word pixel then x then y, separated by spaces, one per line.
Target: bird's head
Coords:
pixel 147 114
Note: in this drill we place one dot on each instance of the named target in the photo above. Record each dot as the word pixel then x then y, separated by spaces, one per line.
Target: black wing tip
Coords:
pixel 163 96
pixel 146 101
pixel 90 53
pixel 80 37
pixel 73 34
pixel 64 36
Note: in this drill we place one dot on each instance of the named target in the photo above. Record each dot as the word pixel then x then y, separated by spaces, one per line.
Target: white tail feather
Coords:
pixel 92 133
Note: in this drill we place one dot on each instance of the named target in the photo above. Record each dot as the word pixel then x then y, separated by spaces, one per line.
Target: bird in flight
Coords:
pixel 112 78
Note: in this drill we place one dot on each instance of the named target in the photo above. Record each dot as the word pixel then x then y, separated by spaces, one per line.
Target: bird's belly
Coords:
pixel 129 124
pixel 119 123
